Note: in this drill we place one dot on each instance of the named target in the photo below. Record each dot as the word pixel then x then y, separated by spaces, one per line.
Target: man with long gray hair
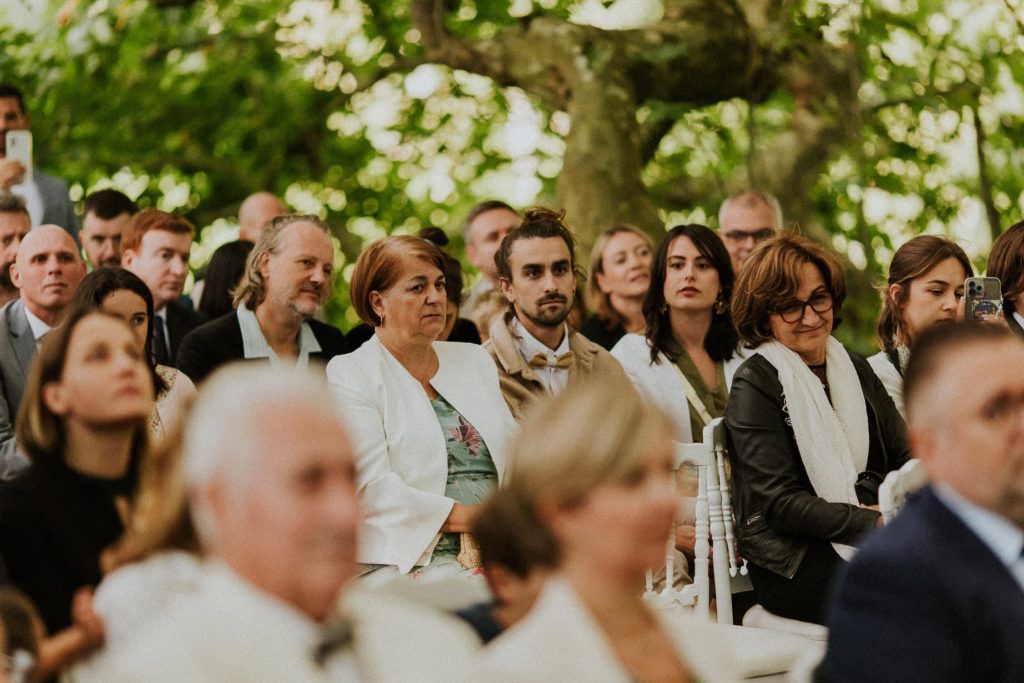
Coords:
pixel 287 278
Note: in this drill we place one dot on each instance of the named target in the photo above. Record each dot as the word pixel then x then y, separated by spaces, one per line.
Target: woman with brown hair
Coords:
pixel 925 286
pixel 811 431
pixel 82 424
pixel 620 273
pixel 1006 262
pixel 427 418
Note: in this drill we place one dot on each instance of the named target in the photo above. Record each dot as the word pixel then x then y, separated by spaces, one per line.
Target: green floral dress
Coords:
pixel 471 472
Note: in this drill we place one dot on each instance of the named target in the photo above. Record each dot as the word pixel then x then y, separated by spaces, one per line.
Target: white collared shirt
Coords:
pixel 1019 317
pixel 33 200
pixel 38 327
pixel 276 617
pixel 254 344
pixel 554 379
pixel 1003 538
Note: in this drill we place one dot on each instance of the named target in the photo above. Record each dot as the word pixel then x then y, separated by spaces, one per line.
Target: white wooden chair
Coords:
pixel 714 522
pixel 898 485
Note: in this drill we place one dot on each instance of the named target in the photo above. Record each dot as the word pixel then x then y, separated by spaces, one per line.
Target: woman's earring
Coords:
pixel 720 305
pixel 664 307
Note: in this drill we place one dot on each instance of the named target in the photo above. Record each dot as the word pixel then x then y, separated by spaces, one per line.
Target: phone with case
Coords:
pixel 18 145
pixel 983 298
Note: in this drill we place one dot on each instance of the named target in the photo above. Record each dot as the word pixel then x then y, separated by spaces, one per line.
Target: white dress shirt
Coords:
pixel 254 344
pixel 38 327
pixel 554 379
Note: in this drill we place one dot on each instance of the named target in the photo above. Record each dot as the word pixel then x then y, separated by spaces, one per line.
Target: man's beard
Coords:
pixel 550 318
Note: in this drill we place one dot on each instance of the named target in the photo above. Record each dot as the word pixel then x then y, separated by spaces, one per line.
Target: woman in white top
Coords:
pixel 591 479
pixel 685 361
pixel 925 287
pixel 427 418
pixel 123 294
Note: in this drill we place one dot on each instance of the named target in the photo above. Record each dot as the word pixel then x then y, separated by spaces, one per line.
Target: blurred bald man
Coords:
pixel 46 271
pixel 256 211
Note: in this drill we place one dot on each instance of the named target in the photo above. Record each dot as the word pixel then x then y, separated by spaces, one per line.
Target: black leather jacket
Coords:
pixel 777 510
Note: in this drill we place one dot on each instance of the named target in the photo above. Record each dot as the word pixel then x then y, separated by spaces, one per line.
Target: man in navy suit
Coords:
pixel 938 595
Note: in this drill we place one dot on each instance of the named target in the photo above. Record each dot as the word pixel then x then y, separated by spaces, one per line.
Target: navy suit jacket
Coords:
pixel 926 600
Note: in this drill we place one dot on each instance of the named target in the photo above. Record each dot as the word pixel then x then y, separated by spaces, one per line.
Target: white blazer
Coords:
pixel 660 383
pixel 401 455
pixel 559 640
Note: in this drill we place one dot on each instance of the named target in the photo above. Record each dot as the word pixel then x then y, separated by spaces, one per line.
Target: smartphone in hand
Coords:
pixel 19 148
pixel 983 298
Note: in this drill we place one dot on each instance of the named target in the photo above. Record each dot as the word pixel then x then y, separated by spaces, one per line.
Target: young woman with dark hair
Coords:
pixel 925 286
pixel 123 294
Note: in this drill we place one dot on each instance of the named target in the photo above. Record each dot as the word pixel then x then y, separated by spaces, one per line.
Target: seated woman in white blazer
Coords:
pixel 685 361
pixel 591 483
pixel 427 419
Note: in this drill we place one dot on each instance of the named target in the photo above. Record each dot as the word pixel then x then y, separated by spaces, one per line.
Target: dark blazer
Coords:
pixel 778 514
pixel 57 206
pixel 926 600
pixel 180 321
pixel 220 341
pixel 17 349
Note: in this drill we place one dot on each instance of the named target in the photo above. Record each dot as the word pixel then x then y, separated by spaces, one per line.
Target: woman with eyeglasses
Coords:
pixel 811 430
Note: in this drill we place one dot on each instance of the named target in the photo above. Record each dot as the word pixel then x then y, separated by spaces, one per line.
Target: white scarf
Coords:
pixel 832 438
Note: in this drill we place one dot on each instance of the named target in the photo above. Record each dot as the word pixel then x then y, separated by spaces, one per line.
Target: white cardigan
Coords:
pixel 401 455
pixel 659 383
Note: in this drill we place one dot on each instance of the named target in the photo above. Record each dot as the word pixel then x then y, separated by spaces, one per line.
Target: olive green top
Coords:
pixel 714 399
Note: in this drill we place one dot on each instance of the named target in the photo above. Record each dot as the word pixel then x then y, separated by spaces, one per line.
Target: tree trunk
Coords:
pixel 600 182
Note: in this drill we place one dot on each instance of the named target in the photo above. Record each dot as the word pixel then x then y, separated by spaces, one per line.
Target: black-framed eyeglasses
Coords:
pixel 738 236
pixel 792 311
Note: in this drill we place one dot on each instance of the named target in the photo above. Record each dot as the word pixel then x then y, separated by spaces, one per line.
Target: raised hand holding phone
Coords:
pixel 16 166
pixel 983 299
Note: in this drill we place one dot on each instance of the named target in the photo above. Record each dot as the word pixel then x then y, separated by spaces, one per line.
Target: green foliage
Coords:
pixel 330 103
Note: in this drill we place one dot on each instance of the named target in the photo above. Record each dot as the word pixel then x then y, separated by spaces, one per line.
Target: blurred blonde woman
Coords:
pixel 591 480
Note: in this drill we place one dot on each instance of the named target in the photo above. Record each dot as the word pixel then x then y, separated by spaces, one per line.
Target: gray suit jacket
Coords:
pixel 57 206
pixel 17 349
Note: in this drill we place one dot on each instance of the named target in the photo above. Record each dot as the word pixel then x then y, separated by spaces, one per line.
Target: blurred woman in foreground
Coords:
pixel 592 480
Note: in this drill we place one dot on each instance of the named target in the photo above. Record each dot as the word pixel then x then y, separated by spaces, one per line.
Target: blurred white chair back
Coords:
pixel 898 485
pixel 714 523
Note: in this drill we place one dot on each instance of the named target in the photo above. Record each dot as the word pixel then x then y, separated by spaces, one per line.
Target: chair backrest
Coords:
pixel 713 523
pixel 898 486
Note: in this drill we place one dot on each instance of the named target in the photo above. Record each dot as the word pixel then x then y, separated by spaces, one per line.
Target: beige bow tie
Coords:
pixel 542 360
